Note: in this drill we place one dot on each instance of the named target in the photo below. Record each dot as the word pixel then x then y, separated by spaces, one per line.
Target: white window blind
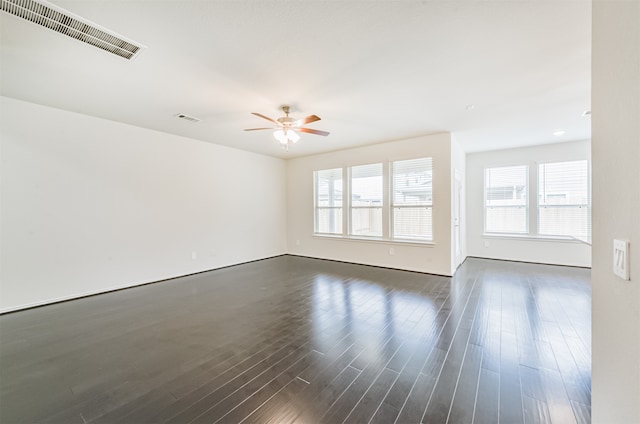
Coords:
pixel 366 200
pixel 564 208
pixel 328 200
pixel 412 199
pixel 505 199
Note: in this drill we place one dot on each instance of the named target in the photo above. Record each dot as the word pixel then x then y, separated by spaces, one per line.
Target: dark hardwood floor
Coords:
pixel 298 340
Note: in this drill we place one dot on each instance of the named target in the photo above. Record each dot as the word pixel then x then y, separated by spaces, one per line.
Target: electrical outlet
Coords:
pixel 194 255
pixel 392 251
pixel 621 259
pixel 486 243
pixel 297 242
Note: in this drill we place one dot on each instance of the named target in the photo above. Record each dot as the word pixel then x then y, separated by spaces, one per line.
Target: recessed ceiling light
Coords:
pixel 558 133
pixel 470 107
pixel 586 113
pixel 187 117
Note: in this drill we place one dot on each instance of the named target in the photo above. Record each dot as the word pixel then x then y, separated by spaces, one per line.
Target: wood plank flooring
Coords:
pixel 299 340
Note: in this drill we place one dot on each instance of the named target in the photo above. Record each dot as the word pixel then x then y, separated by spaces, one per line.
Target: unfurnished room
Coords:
pixel 319 211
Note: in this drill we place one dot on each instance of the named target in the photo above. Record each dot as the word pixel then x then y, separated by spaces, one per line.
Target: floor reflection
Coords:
pixel 518 331
pixel 368 315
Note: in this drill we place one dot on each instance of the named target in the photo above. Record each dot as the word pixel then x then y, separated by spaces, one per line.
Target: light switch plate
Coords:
pixel 621 259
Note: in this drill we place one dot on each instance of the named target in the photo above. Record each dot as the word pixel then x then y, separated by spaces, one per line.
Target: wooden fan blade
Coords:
pixel 310 131
pixel 267 118
pixel 307 120
pixel 256 129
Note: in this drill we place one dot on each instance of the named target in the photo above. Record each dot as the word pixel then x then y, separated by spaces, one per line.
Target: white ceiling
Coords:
pixel 374 71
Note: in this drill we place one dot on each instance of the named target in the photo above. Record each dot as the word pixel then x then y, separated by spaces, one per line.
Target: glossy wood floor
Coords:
pixel 298 340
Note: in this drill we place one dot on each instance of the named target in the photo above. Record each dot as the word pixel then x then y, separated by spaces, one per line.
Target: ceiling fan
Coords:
pixel 286 127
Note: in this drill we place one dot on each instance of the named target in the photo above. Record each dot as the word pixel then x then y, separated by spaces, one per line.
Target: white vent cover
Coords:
pixel 187 117
pixel 57 19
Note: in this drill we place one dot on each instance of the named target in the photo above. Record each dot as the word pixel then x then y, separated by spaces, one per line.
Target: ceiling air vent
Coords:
pixel 187 117
pixel 57 19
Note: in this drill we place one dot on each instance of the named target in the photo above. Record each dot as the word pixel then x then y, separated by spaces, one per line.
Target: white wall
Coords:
pixel 300 211
pixel 90 205
pixel 616 210
pixel 458 163
pixel 520 249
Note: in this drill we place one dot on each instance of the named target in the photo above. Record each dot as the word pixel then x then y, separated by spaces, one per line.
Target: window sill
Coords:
pixel 527 237
pixel 378 240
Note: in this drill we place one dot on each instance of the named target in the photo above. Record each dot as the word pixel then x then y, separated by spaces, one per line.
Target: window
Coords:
pixel 366 200
pixel 505 200
pixel 407 217
pixel 412 199
pixel 563 199
pixel 328 195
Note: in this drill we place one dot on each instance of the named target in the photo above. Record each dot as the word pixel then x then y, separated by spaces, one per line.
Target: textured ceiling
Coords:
pixel 374 71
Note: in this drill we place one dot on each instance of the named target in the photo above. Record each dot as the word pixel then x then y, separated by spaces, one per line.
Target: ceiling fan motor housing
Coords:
pixel 285 120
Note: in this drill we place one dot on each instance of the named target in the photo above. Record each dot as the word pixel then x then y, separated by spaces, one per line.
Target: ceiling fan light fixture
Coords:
pixel 280 136
pixel 293 136
pixel 286 136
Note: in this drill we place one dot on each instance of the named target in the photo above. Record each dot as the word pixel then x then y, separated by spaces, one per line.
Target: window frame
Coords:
pixel 526 206
pixel 317 207
pixel 387 193
pixel 533 206
pixel 350 229
pixel 586 205
pixel 393 205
